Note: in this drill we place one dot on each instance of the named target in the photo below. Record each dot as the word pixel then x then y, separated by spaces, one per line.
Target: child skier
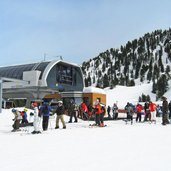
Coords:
pixel 24 116
pixel 37 119
pixel 16 120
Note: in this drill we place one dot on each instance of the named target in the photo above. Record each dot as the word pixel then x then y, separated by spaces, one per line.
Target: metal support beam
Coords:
pixel 0 95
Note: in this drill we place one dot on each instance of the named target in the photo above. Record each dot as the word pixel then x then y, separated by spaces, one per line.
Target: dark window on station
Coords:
pixel 65 75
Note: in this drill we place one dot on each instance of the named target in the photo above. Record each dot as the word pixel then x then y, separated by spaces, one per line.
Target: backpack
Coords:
pixel 75 107
pixel 45 109
pixel 22 113
pixel 103 110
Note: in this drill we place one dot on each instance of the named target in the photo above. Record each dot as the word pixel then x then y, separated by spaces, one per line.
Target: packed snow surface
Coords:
pixel 121 147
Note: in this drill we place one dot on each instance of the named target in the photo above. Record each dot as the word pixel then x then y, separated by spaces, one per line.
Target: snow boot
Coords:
pixel 16 130
pixel 38 132
pixel 101 125
pixel 34 132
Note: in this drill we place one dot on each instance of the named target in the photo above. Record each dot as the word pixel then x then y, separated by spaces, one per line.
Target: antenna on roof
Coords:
pixel 44 56
pixel 59 56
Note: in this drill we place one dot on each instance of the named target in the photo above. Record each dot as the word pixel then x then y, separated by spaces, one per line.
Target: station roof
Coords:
pixel 16 71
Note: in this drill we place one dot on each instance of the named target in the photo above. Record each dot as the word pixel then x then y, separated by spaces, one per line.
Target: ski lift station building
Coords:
pixel 55 79
pixel 91 94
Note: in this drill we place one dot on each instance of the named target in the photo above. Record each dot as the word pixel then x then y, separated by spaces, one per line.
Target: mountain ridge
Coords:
pixel 143 60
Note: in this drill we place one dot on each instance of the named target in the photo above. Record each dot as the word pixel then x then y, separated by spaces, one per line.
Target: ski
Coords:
pixel 96 126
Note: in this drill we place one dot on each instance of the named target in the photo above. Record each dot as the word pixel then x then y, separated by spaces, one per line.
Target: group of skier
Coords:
pixel 114 111
pixel 150 111
pixel 44 111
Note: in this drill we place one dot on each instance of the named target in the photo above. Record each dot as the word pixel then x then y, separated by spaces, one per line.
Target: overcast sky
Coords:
pixel 77 30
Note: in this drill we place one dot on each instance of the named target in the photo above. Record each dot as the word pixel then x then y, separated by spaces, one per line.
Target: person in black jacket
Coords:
pixel 103 111
pixel 108 111
pixel 72 110
pixel 165 108
pixel 170 110
pixel 60 115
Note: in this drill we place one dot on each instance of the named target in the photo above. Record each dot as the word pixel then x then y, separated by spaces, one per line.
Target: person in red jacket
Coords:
pixel 84 111
pixel 84 107
pixel 98 111
pixel 139 109
pixel 152 108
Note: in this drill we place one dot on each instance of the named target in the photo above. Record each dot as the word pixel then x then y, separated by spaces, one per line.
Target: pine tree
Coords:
pixel 103 67
pixel 108 60
pixel 154 87
pixel 138 66
pixel 162 85
pixel 89 80
pixel 168 71
pixel 156 72
pixel 148 99
pixel 122 80
pixel 105 81
pixel 148 48
pixel 97 63
pixel 142 72
pixel 149 74
pixel 144 99
pixel 94 79
pixel 160 51
pixel 132 83
pixel 99 83
pixel 127 80
pixel 139 99
pixel 99 73
pixel 132 74
pixel 126 68
pixel 160 64
pixel 86 82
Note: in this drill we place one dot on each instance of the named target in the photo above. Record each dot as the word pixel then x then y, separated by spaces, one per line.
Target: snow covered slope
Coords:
pixel 121 94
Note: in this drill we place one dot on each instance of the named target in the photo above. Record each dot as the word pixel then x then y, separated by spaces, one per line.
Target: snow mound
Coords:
pixel 93 90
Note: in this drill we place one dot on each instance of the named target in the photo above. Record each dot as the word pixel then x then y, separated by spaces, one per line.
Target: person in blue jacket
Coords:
pixel 45 111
